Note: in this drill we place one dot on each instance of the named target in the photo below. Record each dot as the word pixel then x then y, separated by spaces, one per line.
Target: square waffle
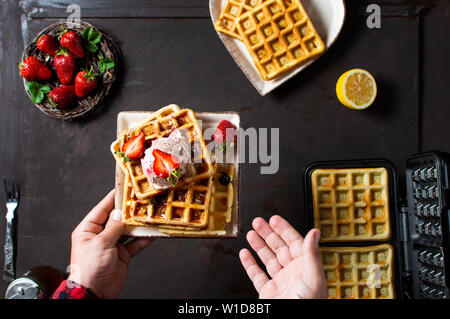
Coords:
pixel 136 212
pixel 220 207
pixel 359 272
pixel 161 124
pixel 351 204
pixel 279 35
pixel 230 14
pixel 186 206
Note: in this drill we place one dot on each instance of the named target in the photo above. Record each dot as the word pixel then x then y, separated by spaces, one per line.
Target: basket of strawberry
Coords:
pixel 67 69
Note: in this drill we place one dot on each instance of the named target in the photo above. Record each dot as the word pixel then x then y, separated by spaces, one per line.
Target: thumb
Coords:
pixel 114 228
pixel 312 258
pixel 311 249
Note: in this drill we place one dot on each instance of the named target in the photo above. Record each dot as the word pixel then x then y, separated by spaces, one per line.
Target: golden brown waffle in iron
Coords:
pixel 231 12
pixel 160 125
pixel 359 272
pixel 351 204
pixel 220 207
pixel 279 35
pixel 186 206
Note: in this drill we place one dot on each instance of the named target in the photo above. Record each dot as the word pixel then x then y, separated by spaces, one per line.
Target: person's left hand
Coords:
pixel 98 261
pixel 292 262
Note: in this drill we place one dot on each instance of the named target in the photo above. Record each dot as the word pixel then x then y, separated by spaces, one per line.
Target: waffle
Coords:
pixel 230 14
pixel 161 124
pixel 351 204
pixel 220 207
pixel 279 36
pixel 163 112
pixel 359 272
pixel 135 212
pixel 186 206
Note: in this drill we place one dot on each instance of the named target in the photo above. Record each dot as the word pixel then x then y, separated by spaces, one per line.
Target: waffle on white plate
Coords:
pixel 233 9
pixel 278 34
pixel 200 207
pixel 161 124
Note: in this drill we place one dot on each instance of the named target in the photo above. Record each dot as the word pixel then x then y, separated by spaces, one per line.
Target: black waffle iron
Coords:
pixel 420 218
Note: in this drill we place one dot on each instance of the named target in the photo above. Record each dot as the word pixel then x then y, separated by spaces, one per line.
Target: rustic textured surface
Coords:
pixel 173 55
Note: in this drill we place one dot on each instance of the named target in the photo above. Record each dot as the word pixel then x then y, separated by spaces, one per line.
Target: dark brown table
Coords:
pixel 171 54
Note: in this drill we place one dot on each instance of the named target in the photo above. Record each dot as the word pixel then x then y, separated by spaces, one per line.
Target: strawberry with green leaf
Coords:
pixel 85 82
pixel 225 135
pixel 46 43
pixel 72 41
pixel 33 69
pixel 166 166
pixel 134 147
pixel 61 97
pixel 65 64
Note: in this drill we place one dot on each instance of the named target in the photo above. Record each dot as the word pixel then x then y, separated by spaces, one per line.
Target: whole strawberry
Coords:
pixel 47 44
pixel 225 135
pixel 33 69
pixel 65 64
pixel 85 82
pixel 61 96
pixel 72 41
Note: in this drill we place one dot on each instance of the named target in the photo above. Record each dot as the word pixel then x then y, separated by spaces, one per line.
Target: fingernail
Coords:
pixel 117 214
pixel 317 237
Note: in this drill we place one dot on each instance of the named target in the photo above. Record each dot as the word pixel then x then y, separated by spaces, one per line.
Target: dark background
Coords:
pixel 172 54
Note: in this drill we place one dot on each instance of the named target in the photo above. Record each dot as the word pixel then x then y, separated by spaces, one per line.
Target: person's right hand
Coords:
pixel 292 262
pixel 98 260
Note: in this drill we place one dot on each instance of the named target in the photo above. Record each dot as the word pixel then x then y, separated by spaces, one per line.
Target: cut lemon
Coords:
pixel 356 89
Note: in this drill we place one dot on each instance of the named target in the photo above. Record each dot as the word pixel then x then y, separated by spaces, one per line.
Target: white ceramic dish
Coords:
pixel 327 16
pixel 127 120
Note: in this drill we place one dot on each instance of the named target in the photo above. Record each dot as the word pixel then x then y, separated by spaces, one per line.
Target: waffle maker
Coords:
pixel 420 218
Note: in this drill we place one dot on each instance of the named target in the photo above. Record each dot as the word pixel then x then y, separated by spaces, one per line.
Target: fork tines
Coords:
pixel 12 191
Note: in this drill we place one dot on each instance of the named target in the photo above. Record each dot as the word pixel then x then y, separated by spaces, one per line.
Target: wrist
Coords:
pixel 75 281
pixel 72 290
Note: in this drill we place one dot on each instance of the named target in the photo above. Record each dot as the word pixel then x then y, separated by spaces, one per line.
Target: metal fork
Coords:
pixel 12 201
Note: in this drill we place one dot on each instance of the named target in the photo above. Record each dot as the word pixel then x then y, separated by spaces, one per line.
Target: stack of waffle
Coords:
pixel 198 205
pixel 278 34
pixel 352 205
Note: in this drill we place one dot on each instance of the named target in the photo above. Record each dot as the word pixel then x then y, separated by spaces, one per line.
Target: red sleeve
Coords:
pixel 71 290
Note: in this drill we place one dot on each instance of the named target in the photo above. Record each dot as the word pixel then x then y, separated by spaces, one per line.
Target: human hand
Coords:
pixel 98 261
pixel 292 262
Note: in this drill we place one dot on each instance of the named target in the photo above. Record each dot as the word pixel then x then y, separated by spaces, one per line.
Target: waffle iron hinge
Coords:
pixel 404 240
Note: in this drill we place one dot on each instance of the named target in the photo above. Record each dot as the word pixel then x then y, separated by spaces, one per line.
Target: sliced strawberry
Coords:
pixel 134 147
pixel 165 165
pixel 225 134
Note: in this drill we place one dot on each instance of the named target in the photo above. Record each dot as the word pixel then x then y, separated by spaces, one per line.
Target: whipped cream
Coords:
pixel 176 144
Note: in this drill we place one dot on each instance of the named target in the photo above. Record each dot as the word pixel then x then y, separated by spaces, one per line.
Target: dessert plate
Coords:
pixel 208 122
pixel 327 16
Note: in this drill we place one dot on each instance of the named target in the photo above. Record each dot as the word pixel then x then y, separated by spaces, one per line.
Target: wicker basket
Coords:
pixel 108 47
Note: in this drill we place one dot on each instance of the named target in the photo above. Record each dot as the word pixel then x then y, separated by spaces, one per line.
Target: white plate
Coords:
pixel 327 17
pixel 208 120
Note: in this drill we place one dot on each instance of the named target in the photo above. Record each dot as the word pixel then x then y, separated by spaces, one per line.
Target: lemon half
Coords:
pixel 356 89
